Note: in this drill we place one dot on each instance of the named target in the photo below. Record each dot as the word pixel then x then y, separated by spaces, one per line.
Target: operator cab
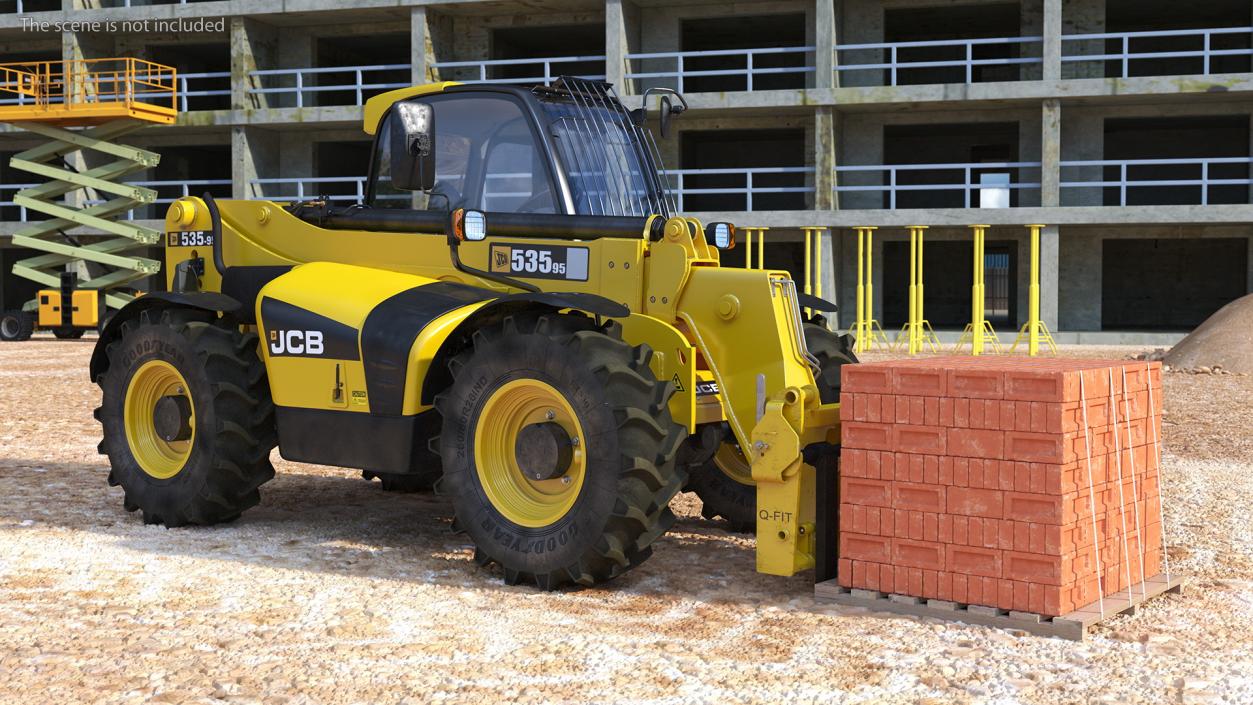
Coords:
pixel 568 149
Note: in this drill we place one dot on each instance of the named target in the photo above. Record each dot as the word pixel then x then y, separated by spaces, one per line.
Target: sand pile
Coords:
pixel 1224 341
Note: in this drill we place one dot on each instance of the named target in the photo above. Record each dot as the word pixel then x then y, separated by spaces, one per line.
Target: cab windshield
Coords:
pixel 611 165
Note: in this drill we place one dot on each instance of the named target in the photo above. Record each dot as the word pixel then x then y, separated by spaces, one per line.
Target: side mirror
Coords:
pixel 412 144
pixel 723 235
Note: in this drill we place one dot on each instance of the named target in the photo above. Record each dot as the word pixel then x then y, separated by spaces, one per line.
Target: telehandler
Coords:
pixel 515 315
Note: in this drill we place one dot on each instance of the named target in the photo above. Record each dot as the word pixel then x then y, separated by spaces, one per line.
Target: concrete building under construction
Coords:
pixel 1125 126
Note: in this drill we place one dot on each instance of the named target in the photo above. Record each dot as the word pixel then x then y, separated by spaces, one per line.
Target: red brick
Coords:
pixel 866 436
pixel 1022 537
pixel 900 412
pixel 917 411
pixel 1022 416
pixel 919 439
pixel 961 530
pixel 959 588
pixel 915 581
pixel 1006 533
pixel 946 470
pixel 946 412
pixel 1036 447
pixel 919 381
pixel 944 528
pixel 844 572
pixel 1005 595
pixel 887 466
pixel 1022 596
pixel 944 587
pixel 1041 508
pixel 872 577
pixel 886 579
pixel 1035 568
pixel 865 492
pixel 931 584
pixel 918 554
pixel 1035 385
pixel 975 502
pixel 852 462
pixel 873 407
pixel 931 411
pixel 976 383
pixel 866 378
pixel 922 497
pixel 973 561
pixel 846 406
pixel 961 472
pixel 916 468
pixel 931 469
pixel 876 549
pixel 961 413
pixel 976 413
pixel 930 526
pixel 1007 414
pixel 915 525
pixel 992 414
pixel 871 466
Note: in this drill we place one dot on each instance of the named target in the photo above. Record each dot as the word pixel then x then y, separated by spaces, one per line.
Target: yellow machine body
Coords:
pixel 729 339
pixel 84 308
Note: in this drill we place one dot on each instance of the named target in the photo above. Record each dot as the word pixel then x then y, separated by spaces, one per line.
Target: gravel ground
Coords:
pixel 335 592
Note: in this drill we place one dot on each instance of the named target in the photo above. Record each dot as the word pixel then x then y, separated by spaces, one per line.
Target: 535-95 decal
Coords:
pixel 191 238
pixel 540 261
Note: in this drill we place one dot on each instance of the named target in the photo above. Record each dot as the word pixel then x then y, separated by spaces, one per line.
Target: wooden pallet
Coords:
pixel 1073 626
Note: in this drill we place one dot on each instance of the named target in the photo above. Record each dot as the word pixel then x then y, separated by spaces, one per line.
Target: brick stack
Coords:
pixel 966 479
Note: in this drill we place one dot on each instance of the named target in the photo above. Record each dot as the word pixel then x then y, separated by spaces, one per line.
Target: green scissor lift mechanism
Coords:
pixel 83 107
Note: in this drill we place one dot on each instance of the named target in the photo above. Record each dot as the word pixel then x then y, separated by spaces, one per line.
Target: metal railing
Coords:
pixel 1206 52
pixel 965 185
pixel 21 5
pixel 200 85
pixel 545 74
pixel 679 178
pixel 894 62
pixel 680 71
pixel 1127 180
pixel 301 81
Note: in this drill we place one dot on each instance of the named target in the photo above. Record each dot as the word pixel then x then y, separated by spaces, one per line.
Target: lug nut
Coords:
pixel 565 480
pixel 550 414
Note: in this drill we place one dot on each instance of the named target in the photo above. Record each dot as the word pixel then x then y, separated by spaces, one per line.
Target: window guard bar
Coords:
pixel 1206 53
pixel 894 64
pixel 747 190
pixel 680 71
pixel 358 87
pixel 547 62
pixel 967 169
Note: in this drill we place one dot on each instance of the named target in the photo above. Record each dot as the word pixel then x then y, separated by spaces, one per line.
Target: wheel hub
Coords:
pixel 543 451
pixel 171 417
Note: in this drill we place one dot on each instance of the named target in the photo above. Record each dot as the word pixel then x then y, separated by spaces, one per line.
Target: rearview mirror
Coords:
pixel 724 235
pixel 412 138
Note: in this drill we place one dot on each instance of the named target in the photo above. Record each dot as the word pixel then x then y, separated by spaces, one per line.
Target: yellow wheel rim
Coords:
pixel 733 464
pixel 158 457
pixel 522 500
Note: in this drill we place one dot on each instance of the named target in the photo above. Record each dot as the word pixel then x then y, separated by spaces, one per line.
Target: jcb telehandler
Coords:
pixel 515 314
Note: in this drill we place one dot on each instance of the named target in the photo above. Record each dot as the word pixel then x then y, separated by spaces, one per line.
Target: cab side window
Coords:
pixel 486 157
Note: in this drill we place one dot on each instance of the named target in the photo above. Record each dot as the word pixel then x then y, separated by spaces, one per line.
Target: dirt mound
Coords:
pixel 1224 340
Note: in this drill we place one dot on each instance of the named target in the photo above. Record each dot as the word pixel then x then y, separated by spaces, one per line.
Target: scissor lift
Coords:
pixel 83 107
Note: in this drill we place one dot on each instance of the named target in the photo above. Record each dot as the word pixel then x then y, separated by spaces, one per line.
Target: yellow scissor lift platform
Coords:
pixel 81 107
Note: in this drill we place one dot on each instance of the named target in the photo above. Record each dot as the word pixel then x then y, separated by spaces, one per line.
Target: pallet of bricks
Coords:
pixel 1002 491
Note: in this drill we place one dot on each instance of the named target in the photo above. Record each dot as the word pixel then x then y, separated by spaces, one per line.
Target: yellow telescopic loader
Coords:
pixel 515 315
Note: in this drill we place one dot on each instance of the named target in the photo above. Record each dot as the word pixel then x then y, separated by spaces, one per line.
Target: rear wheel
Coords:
pixel 187 418
pixel 16 326
pixel 725 483
pixel 559 450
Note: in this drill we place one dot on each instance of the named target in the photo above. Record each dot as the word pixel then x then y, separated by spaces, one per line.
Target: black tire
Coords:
pixel 229 457
pixel 630 444
pixel 735 501
pixel 68 333
pixel 16 326
pixel 104 320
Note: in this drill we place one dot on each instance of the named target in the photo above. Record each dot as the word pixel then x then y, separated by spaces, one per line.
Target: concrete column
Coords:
pixel 1052 32
pixel 622 31
pixel 1050 153
pixel 824 43
pixel 829 257
pixel 825 119
pixel 253 46
pixel 419 46
pixel 254 154
pixel 1049 271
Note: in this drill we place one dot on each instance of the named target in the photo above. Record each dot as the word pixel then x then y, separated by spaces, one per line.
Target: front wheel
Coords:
pixel 16 326
pixel 559 450
pixel 187 418
pixel 725 483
